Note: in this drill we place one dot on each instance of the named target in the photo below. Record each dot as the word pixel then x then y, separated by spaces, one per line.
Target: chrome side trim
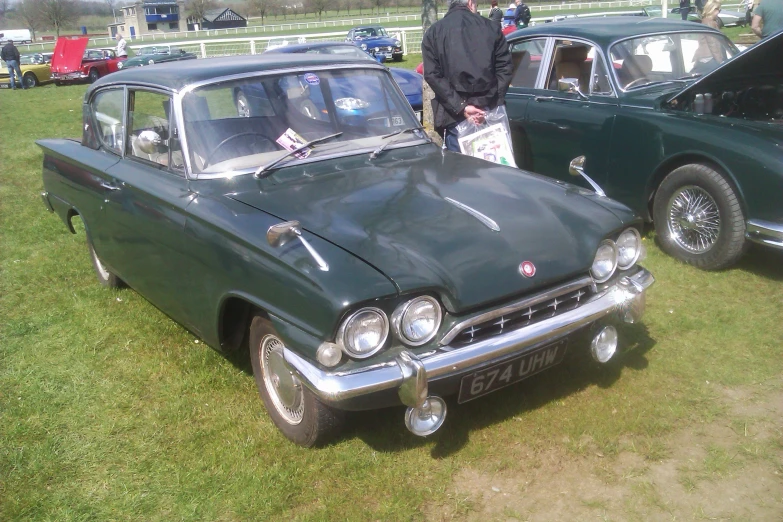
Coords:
pixel 765 232
pixel 333 387
pixel 488 222
pixel 514 307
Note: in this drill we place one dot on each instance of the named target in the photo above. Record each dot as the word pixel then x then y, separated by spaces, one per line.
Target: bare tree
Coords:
pixel 260 8
pixel 378 4
pixel 197 8
pixel 318 7
pixel 3 9
pixel 29 13
pixel 58 13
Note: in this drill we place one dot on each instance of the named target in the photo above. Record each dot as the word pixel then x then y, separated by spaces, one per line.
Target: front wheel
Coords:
pixel 94 75
pixel 294 409
pixel 698 218
pixel 30 80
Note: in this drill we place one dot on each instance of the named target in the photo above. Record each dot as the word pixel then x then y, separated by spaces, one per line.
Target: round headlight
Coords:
pixel 417 321
pixel 363 333
pixel 605 261
pixel 629 247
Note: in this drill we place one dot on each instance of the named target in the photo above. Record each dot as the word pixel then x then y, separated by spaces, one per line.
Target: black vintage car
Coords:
pixel 360 264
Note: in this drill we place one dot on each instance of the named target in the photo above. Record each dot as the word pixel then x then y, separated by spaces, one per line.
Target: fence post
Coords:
pixel 405 43
pixel 252 47
pixel 203 50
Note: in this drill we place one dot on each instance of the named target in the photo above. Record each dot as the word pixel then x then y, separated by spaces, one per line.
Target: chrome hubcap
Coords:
pixel 283 387
pixel 694 219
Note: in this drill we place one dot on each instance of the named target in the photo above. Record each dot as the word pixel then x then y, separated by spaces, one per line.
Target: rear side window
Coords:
pixel 526 59
pixel 108 108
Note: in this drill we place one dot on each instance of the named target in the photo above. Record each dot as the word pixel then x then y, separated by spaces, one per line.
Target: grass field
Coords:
pixel 111 411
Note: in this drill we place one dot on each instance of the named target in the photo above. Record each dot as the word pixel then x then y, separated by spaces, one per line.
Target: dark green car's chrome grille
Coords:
pixel 522 317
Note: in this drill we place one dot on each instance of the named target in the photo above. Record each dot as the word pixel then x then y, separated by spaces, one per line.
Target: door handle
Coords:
pixel 108 186
pixel 544 98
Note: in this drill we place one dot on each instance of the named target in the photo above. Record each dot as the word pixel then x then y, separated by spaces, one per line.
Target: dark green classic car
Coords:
pixel 360 264
pixel 672 119
pixel 153 54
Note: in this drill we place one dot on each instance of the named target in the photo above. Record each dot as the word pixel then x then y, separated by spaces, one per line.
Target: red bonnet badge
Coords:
pixel 527 269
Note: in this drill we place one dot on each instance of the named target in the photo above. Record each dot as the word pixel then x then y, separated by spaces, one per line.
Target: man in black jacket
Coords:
pixel 468 65
pixel 10 55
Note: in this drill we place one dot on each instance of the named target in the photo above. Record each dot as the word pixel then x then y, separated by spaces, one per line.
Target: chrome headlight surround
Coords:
pixel 632 236
pixel 607 252
pixel 364 47
pixel 345 343
pixel 400 318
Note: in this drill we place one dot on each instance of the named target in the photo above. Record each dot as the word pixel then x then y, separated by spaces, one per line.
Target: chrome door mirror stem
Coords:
pixel 577 168
pixel 149 142
pixel 570 85
pixel 279 234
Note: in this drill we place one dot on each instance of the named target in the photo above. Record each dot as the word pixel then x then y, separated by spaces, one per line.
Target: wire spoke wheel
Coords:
pixel 693 219
pixel 283 387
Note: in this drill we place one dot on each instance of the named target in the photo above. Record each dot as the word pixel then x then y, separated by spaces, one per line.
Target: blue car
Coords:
pixel 375 41
pixel 410 82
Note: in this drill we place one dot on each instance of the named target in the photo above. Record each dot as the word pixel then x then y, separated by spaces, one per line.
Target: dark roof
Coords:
pixel 176 75
pixel 300 48
pixel 210 15
pixel 606 30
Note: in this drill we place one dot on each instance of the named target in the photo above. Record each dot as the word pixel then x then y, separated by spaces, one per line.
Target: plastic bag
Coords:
pixel 490 140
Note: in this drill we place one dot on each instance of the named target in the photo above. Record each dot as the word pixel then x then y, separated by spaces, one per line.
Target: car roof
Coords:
pixel 607 30
pixel 179 74
pixel 315 45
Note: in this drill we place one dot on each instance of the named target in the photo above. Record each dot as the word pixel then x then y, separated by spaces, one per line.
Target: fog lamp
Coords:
pixel 427 418
pixel 329 354
pixel 604 344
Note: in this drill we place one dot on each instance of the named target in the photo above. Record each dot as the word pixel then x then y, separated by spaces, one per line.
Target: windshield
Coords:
pixel 152 50
pixel 242 124
pixel 370 32
pixel 31 59
pixel 666 57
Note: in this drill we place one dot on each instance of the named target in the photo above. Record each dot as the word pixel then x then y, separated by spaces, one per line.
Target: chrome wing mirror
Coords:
pixel 149 142
pixel 577 168
pixel 570 85
pixel 278 235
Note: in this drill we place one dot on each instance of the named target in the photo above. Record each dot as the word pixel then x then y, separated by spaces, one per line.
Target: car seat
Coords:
pixel 571 62
pixel 634 67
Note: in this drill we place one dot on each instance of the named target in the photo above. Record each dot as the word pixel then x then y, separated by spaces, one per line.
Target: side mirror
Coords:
pixel 570 85
pixel 279 234
pixel 577 168
pixel 149 142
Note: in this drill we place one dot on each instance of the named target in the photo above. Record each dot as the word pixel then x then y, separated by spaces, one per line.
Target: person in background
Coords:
pixel 748 4
pixel 468 65
pixel 768 14
pixel 10 55
pixel 121 46
pixel 496 13
pixel 521 15
pixel 709 15
pixel 685 8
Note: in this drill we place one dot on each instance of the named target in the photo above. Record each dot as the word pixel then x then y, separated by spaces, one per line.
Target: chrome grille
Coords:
pixel 526 312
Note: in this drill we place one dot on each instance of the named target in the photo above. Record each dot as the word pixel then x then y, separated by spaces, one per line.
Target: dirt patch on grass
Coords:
pixel 728 469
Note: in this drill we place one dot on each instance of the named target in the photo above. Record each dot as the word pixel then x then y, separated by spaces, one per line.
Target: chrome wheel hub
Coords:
pixel 283 387
pixel 694 219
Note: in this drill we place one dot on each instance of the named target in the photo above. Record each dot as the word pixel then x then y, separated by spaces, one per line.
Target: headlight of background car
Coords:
pixel 350 104
pixel 363 333
pixel 629 248
pixel 605 261
pixel 417 321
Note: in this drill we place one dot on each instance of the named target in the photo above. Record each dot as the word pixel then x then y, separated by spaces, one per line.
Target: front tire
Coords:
pixel 294 409
pixel 29 80
pixel 94 75
pixel 698 218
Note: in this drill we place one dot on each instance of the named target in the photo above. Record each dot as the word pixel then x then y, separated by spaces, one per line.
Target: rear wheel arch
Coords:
pixel 675 162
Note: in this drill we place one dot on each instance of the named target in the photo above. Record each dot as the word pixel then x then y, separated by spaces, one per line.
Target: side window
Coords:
pixel 526 58
pixel 107 109
pixel 571 60
pixel 149 133
pixel 599 83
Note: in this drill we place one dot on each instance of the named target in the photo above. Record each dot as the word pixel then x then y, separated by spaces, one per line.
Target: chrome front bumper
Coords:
pixel 410 374
pixel 765 232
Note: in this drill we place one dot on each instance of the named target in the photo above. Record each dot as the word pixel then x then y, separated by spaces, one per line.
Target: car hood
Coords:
pixel 764 56
pixel 395 213
pixel 142 60
pixel 68 53
pixel 410 82
pixel 377 40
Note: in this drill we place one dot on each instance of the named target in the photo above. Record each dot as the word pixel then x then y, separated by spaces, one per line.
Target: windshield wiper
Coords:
pixel 374 154
pixel 690 76
pixel 265 170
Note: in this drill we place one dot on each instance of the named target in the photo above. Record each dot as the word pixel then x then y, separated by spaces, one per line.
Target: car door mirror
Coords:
pixel 149 142
pixel 278 235
pixel 577 168
pixel 570 85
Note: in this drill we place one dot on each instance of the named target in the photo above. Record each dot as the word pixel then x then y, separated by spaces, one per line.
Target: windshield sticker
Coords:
pixel 312 79
pixel 290 140
pixel 397 121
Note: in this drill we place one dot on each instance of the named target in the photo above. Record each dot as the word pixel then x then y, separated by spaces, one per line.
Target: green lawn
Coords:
pixel 111 411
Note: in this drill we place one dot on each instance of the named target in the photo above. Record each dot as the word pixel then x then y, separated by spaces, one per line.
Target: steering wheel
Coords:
pixel 230 138
pixel 633 83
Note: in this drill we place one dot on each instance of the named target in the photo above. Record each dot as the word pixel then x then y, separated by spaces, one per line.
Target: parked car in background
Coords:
pixel 152 54
pixel 409 81
pixel 73 62
pixel 275 43
pixel 726 17
pixel 360 265
pixel 375 41
pixel 671 119
pixel 34 69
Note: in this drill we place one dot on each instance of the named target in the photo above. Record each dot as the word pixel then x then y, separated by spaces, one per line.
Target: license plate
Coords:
pixel 501 375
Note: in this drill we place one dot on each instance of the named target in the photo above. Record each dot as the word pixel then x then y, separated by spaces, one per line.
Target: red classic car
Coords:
pixel 73 62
